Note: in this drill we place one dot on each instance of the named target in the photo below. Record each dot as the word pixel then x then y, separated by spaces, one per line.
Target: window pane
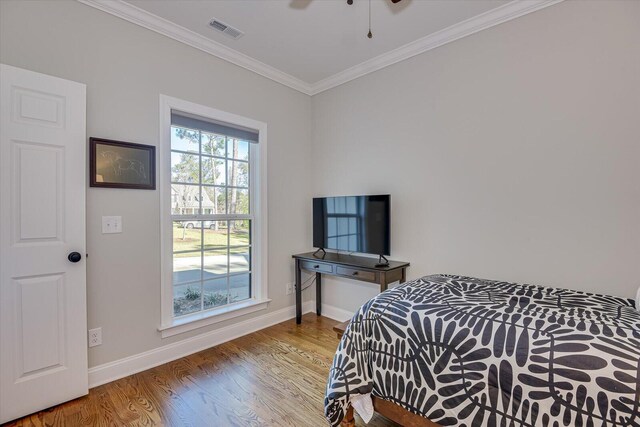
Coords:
pixel 238 201
pixel 186 236
pixel 332 226
pixel 213 200
pixel 215 234
pixel 351 205
pixel 185 168
pixel 331 209
pixel 343 224
pixel 186 299
pixel 239 288
pixel 185 199
pixel 353 243
pixel 238 174
pixel 237 149
pixel 215 293
pixel 343 242
pixel 185 139
pixel 239 233
pixel 213 171
pixel 239 259
pixel 215 264
pixel 212 144
pixel 187 267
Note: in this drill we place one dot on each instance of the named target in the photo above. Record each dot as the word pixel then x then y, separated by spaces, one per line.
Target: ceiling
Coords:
pixel 313 45
pixel 321 39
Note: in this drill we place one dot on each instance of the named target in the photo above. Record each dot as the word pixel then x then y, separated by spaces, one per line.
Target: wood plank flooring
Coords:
pixel 273 377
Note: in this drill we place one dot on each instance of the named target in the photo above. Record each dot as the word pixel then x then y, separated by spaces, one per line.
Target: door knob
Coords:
pixel 74 257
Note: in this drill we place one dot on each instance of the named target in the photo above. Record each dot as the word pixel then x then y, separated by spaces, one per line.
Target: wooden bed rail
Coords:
pixel 393 412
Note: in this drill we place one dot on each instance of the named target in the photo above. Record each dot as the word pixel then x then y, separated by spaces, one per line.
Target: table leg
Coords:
pixel 318 294
pixel 404 275
pixel 383 281
pixel 298 293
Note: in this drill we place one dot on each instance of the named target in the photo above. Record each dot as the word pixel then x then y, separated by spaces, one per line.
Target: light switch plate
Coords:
pixel 111 224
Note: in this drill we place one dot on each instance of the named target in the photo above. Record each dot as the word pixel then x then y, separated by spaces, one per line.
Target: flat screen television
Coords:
pixel 353 223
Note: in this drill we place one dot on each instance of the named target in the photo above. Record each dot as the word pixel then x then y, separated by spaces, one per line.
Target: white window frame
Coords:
pixel 169 325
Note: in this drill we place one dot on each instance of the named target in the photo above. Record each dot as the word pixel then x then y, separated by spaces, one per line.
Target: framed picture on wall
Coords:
pixel 117 164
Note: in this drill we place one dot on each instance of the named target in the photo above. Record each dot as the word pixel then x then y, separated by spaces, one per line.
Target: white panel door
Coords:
pixel 43 319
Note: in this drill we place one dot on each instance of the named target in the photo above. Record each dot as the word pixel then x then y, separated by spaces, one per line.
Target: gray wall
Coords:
pixel 511 154
pixel 125 68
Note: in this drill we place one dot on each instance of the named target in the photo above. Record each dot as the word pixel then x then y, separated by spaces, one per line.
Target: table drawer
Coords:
pixel 370 276
pixel 317 266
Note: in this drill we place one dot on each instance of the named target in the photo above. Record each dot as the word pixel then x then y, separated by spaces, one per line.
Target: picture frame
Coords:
pixel 118 164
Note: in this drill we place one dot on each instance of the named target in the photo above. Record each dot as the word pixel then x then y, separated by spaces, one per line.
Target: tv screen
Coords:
pixel 352 223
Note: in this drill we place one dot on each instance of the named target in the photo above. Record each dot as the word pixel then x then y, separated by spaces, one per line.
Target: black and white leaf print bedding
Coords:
pixel 469 352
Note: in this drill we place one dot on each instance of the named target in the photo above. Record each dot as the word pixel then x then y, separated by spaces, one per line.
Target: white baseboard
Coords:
pixel 130 365
pixel 329 311
pixel 117 369
pixel 336 313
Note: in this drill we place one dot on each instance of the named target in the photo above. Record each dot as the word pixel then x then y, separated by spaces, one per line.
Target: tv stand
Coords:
pixel 347 266
pixel 380 263
pixel 318 250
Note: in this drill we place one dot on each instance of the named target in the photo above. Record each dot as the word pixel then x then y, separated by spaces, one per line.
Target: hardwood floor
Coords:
pixel 273 377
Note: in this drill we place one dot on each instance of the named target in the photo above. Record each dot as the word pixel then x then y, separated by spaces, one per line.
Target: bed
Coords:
pixel 461 351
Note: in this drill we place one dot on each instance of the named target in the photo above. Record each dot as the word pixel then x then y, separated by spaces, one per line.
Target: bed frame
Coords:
pixel 384 407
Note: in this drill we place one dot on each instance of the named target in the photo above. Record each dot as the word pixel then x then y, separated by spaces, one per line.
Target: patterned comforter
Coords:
pixel 469 352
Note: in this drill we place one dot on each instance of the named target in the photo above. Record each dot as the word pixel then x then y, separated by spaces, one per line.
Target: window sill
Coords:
pixel 210 317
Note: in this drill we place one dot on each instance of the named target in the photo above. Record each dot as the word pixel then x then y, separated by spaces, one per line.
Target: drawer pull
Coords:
pixel 316 266
pixel 355 273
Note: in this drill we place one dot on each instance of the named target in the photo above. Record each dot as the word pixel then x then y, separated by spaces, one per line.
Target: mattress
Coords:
pixel 462 351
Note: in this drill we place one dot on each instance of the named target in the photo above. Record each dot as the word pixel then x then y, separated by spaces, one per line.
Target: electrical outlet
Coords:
pixel 289 288
pixel 95 337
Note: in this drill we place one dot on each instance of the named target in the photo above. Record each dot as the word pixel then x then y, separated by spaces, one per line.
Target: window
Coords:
pixel 213 215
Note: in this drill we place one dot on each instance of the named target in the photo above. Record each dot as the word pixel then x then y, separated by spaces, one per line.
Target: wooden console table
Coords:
pixel 348 266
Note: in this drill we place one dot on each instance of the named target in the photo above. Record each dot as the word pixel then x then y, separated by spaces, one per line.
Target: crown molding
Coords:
pixel 491 18
pixel 152 22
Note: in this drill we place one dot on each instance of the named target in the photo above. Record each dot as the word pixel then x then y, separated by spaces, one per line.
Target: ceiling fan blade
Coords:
pixel 299 4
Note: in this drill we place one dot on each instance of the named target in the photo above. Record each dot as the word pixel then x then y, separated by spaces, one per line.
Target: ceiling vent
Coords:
pixel 225 29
